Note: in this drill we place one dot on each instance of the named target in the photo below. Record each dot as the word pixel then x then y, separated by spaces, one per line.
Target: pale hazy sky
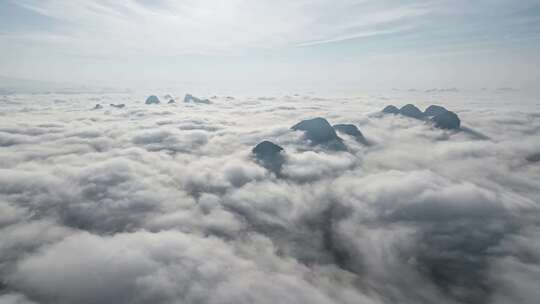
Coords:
pixel 383 43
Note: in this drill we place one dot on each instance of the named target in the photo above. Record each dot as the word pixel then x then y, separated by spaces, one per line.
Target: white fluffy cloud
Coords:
pixel 165 203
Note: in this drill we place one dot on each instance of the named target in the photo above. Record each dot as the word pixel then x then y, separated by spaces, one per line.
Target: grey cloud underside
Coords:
pixel 171 203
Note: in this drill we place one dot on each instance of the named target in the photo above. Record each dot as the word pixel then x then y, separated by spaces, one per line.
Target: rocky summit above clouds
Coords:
pixel 447 120
pixel 320 132
pixel 152 99
pixel 440 116
pixel 391 110
pixel 269 155
pixel 266 148
pixel 351 130
pixel 411 110
pixel 434 110
pixel 119 106
pixel 192 99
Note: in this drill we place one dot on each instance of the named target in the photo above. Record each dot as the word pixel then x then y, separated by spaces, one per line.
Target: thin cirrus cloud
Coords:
pixel 440 43
pixel 195 27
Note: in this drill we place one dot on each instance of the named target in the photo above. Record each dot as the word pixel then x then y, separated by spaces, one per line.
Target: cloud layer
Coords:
pixel 165 204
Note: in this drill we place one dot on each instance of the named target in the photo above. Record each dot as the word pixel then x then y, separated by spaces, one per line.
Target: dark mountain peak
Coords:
pixel 391 110
pixel 269 155
pixel 190 98
pixel 434 110
pixel 447 120
pixel 351 130
pixel 320 132
pixel 411 110
pixel 152 99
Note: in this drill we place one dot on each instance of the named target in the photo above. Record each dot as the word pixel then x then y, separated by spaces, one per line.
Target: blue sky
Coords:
pixel 384 43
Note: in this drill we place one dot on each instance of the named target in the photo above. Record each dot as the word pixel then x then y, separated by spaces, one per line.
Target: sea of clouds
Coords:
pixel 165 203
